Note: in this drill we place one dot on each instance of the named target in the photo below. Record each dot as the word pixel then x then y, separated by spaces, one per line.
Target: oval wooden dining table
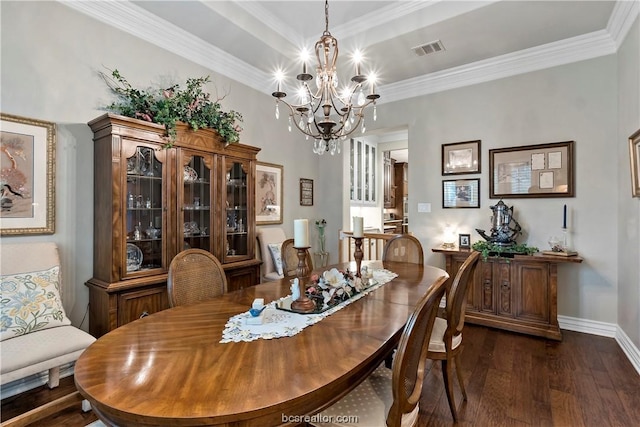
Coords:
pixel 170 369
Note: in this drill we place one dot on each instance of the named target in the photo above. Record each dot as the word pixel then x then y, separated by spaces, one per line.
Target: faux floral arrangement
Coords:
pixel 334 287
pixel 168 106
pixel 488 249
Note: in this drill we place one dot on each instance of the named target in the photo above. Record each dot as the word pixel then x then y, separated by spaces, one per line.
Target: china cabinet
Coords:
pixel 152 201
pixel 517 294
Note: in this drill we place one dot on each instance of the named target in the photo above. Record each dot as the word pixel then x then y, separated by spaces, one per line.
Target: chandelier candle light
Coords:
pixel 324 114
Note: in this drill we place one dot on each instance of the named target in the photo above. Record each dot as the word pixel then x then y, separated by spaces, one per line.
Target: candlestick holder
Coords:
pixel 303 304
pixel 358 254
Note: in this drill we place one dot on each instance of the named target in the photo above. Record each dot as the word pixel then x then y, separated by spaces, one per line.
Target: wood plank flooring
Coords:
pixel 511 380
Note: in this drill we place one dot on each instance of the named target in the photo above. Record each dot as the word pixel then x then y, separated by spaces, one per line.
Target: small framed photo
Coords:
pixel 306 192
pixel 634 154
pixel 464 241
pixel 28 176
pixel 461 158
pixel 461 193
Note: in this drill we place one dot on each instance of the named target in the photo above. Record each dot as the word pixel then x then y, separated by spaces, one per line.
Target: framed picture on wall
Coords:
pixel 306 192
pixel 269 195
pixel 461 193
pixel 634 155
pixel 542 170
pixel 27 165
pixel 461 158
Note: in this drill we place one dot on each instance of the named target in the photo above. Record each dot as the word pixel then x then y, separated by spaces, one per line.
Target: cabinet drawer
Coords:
pixel 140 303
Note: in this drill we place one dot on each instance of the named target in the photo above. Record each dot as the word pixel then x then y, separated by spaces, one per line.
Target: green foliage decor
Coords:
pixel 488 249
pixel 169 106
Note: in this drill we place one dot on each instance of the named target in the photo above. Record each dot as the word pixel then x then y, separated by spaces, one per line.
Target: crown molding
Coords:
pixel 562 52
pixel 622 18
pixel 134 20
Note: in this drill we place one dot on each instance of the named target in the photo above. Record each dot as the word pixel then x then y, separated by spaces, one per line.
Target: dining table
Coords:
pixel 171 368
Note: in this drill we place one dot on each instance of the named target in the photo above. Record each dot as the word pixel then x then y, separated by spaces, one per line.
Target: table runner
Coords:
pixel 279 323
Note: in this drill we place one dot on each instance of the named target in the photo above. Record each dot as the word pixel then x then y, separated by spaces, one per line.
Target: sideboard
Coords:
pixel 518 294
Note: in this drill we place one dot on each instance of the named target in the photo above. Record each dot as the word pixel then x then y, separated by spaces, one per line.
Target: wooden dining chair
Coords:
pixel 290 259
pixel 403 248
pixel 446 338
pixel 195 275
pixel 389 397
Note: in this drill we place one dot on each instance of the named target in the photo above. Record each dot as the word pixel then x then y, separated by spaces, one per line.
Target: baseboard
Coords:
pixel 606 330
pixel 32 381
pixel 592 327
pixel 632 352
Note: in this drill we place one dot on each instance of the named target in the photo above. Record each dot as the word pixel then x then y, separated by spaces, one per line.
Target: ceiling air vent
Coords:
pixel 426 49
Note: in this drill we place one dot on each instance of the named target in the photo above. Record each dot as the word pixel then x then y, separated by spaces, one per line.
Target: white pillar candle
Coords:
pixel 358 228
pixel 301 233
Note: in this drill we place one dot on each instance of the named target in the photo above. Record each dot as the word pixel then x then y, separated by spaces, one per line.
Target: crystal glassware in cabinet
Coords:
pixel 143 211
pixel 237 204
pixel 195 201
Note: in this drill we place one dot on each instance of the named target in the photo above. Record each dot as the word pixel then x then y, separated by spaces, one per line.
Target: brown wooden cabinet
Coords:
pixel 516 294
pixel 151 202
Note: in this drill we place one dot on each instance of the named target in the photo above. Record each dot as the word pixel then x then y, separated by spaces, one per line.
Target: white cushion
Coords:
pixel 38 351
pixel 265 236
pixel 369 403
pixel 276 257
pixel 31 302
pixel 436 342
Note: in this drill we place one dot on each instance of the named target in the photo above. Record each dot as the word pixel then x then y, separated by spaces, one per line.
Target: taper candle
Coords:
pixel 301 233
pixel 358 228
pixel 564 218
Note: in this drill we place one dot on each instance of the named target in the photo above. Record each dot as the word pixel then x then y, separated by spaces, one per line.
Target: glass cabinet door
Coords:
pixel 237 204
pixel 144 207
pixel 195 202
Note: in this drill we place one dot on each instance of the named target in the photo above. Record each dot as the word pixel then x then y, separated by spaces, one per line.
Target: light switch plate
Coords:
pixel 424 207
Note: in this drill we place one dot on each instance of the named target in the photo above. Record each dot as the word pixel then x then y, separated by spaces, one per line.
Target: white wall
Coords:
pixel 574 102
pixel 628 207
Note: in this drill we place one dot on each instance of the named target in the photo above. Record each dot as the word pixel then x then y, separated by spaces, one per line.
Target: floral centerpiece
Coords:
pixel 333 287
pixel 168 106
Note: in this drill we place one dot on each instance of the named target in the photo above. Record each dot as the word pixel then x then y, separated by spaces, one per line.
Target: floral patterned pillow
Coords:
pixel 275 248
pixel 30 302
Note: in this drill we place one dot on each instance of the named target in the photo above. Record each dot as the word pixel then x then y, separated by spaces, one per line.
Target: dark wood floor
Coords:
pixel 511 380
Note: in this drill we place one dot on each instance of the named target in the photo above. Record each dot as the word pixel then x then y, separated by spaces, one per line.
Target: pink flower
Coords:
pixel 315 278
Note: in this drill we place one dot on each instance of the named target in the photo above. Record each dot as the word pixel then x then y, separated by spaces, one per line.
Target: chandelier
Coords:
pixel 326 114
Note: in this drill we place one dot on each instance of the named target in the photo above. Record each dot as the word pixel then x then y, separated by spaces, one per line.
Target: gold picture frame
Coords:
pixel 27 174
pixel 530 171
pixel 634 155
pixel 269 195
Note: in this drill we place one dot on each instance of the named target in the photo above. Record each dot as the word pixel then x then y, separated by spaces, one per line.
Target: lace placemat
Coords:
pixel 279 323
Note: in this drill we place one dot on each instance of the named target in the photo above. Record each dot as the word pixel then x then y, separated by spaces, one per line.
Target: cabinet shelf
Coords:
pixel 131 159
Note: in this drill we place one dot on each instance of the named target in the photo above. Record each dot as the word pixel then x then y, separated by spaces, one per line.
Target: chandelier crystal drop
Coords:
pixel 324 113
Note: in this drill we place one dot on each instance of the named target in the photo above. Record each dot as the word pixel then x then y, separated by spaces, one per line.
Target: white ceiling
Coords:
pixel 484 40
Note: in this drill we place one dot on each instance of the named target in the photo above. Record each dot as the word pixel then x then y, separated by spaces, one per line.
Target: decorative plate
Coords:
pixel 134 257
pixel 190 175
